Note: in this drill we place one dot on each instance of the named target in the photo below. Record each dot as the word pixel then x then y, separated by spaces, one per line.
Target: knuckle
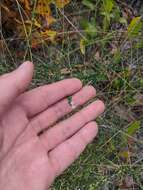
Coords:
pixel 57 168
pixel 37 125
pixel 83 139
pixel 66 130
pixel 18 88
pixel 83 117
pixel 74 150
pixel 58 111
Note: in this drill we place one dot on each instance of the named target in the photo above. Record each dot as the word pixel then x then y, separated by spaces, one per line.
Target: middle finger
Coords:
pixel 65 129
pixel 60 109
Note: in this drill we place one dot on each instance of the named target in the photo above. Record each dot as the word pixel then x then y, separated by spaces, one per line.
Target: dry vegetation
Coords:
pixel 101 43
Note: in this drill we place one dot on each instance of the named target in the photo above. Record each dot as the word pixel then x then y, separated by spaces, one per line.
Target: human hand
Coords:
pixel 32 159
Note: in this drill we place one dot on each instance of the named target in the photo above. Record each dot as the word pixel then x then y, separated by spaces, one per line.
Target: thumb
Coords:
pixel 14 83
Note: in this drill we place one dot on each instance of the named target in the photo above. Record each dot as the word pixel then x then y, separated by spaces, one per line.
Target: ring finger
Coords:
pixel 65 129
pixel 60 109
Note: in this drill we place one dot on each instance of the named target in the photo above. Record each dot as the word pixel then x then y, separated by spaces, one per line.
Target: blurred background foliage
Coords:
pixel 100 42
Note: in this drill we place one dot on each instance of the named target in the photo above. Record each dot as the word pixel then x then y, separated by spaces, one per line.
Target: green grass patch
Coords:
pixel 113 64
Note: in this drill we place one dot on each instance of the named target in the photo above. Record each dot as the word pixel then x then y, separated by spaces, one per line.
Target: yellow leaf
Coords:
pixel 36 30
pixel 61 3
pixel 37 24
pixel 43 7
pixel 27 4
pixel 41 37
pixel 36 40
pixel 135 27
pixel 82 46
pixel 49 20
pixel 125 154
pixel 49 35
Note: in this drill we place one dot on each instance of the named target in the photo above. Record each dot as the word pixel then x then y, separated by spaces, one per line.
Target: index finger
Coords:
pixel 39 99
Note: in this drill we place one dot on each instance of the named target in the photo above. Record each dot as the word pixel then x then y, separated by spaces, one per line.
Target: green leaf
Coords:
pixel 135 27
pixel 69 98
pixel 123 20
pixel 82 46
pixel 141 82
pixel 89 4
pixel 117 57
pixel 108 5
pixel 139 44
pixel 132 129
pixel 124 154
pixel 90 28
pixel 107 8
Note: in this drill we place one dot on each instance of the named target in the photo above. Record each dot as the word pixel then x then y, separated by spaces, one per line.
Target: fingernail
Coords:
pixel 23 65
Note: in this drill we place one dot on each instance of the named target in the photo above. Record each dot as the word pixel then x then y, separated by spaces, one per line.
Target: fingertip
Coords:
pixel 101 104
pixel 91 89
pixel 89 132
pixel 93 127
pixel 77 82
pixel 26 70
pixel 30 64
pixel 98 104
pixel 15 83
pixel 27 65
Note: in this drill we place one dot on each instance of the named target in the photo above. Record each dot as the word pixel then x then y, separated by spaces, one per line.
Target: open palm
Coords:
pixel 35 147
